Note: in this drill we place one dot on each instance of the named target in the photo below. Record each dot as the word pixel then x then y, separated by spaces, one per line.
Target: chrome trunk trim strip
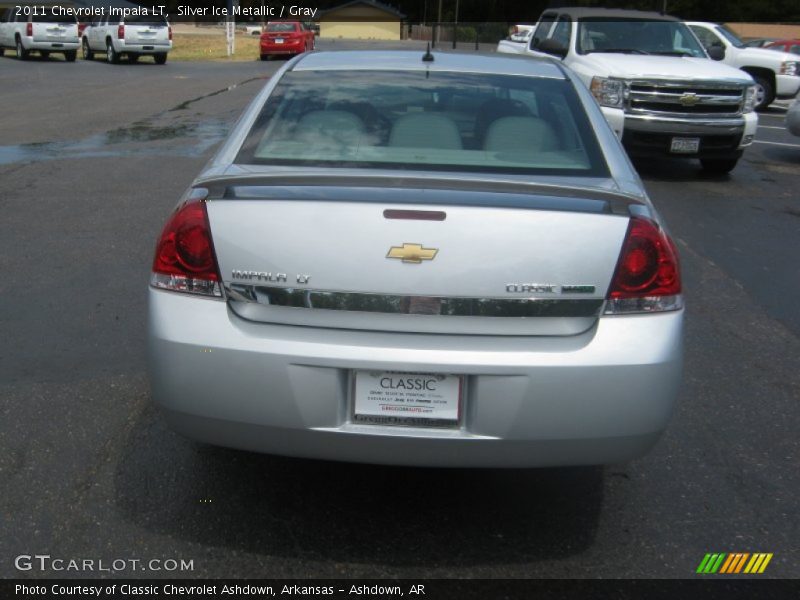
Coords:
pixel 301 298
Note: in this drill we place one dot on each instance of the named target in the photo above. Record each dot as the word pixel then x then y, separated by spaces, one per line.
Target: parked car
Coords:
pixel 440 259
pixel 654 82
pixel 523 37
pixel 43 33
pixel 793 118
pixel 285 38
pixel 521 33
pixel 253 29
pixel 82 25
pixel 132 36
pixel 777 74
pixel 790 46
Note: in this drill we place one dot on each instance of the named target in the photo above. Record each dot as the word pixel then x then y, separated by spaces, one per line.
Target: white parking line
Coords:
pixel 770 127
pixel 776 144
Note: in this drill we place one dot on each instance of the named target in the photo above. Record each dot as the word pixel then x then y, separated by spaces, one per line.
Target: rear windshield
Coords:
pixel 280 27
pixel 145 20
pixel 51 18
pixel 425 121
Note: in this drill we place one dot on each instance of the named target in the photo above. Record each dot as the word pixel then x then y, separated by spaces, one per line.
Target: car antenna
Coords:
pixel 427 57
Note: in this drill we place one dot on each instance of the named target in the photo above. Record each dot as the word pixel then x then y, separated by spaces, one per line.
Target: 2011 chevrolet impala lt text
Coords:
pixel 435 260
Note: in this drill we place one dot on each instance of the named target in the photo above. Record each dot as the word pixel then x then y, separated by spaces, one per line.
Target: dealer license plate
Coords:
pixel 681 145
pixel 410 399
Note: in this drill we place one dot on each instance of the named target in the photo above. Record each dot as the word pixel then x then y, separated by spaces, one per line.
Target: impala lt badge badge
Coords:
pixel 301 278
pixel 412 253
pixel 259 276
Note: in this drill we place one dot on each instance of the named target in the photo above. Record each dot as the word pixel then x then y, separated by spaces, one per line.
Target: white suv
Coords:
pixel 132 36
pixel 44 33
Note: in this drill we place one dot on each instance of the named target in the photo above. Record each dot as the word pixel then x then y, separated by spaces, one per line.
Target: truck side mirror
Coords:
pixel 553 47
pixel 716 52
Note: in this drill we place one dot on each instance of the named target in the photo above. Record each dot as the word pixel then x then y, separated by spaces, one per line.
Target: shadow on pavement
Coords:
pixel 321 510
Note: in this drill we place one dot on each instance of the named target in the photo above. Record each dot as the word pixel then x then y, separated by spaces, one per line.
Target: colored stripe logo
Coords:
pixel 733 563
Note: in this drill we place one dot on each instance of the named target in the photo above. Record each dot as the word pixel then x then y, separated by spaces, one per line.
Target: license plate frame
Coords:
pixel 684 145
pixel 376 401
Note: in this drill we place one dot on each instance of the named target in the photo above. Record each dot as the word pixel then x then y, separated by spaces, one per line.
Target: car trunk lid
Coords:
pixel 416 260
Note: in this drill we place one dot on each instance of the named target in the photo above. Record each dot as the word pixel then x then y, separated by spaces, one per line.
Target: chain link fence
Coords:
pixel 463 36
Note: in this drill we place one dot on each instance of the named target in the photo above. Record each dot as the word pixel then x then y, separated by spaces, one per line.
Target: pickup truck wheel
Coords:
pixel 71 55
pixel 160 58
pixel 22 54
pixel 765 93
pixel 87 52
pixel 111 55
pixel 718 166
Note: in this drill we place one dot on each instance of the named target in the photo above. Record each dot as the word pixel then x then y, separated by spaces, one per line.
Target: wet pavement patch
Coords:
pixel 143 138
pixel 163 134
pixel 144 132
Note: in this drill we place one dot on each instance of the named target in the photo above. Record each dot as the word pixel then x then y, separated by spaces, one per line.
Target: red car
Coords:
pixel 286 37
pixel 792 46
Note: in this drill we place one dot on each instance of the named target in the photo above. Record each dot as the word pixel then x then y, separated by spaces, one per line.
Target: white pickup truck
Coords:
pixel 654 82
pixel 777 74
pixel 44 32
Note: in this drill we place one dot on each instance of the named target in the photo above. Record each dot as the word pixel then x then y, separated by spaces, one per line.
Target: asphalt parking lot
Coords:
pixel 92 159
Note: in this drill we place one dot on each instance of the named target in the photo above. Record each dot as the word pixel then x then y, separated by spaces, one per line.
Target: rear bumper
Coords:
pixel 287 48
pixel 144 48
pixel 600 397
pixel 50 46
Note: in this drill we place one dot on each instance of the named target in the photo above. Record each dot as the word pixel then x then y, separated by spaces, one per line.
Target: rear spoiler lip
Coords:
pixel 223 187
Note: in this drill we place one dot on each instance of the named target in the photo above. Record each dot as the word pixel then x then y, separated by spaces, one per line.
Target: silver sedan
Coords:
pixel 437 260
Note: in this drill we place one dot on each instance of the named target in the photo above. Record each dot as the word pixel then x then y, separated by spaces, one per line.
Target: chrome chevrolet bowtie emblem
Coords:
pixel 412 253
pixel 689 99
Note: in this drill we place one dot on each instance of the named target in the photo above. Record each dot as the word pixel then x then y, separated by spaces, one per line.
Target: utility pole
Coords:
pixel 439 21
pixel 455 26
pixel 230 28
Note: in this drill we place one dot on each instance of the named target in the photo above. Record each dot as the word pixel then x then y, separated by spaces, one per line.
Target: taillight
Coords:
pixel 185 259
pixel 169 30
pixel 121 32
pixel 647 277
pixel 29 29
